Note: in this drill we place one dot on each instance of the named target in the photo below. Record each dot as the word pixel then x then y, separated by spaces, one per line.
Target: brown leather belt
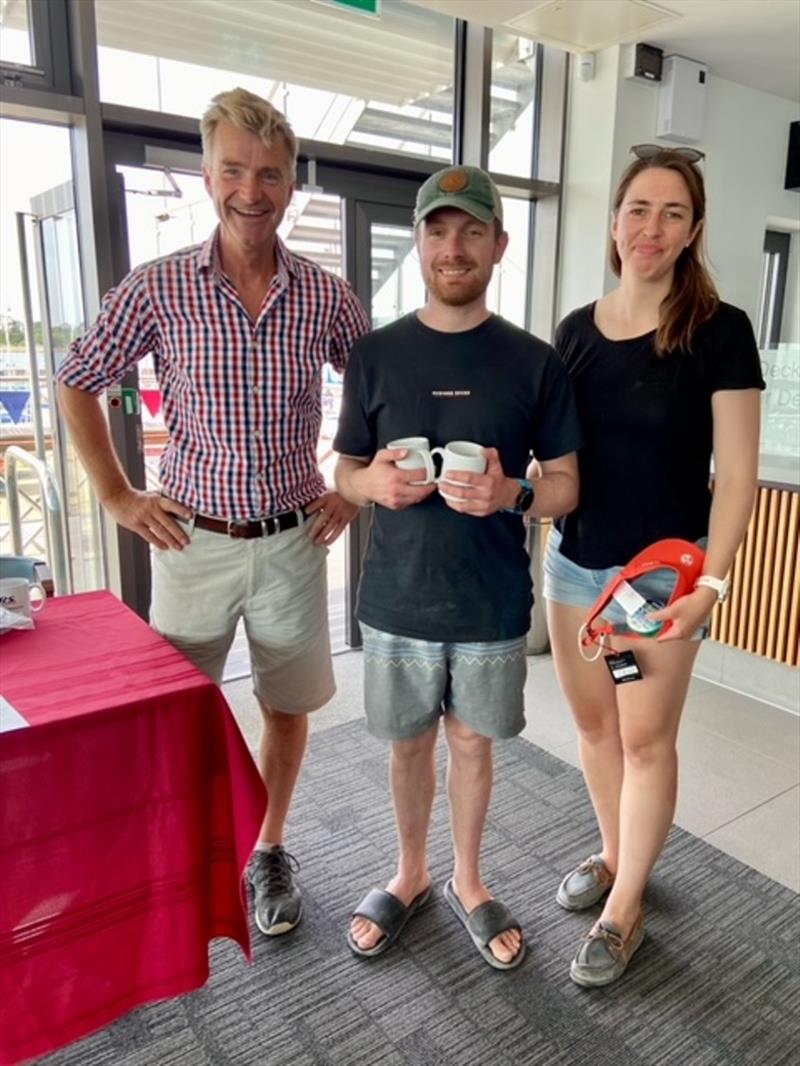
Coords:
pixel 258 527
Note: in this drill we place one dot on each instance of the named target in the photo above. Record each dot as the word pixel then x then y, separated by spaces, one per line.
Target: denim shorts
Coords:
pixel 410 683
pixel 576 586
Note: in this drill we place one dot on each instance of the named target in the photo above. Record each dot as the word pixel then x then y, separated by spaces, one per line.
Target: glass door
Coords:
pixel 47 508
pixel 61 302
pixel 386 277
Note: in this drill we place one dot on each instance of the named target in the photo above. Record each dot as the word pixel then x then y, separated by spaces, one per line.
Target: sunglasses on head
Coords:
pixel 648 151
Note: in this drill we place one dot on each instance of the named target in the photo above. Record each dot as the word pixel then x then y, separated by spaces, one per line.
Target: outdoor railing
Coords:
pixel 51 505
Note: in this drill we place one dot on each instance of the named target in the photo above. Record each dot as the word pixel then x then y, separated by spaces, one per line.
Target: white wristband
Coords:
pixel 718 584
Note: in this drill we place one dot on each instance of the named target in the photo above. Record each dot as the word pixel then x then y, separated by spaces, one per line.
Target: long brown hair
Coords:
pixel 693 298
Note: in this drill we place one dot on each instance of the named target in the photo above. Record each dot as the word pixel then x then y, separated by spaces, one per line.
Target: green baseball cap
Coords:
pixel 468 189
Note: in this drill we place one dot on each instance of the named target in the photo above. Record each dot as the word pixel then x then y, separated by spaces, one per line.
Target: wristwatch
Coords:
pixel 525 496
pixel 718 584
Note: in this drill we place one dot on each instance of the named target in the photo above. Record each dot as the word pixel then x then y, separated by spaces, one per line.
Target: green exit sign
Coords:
pixel 363 7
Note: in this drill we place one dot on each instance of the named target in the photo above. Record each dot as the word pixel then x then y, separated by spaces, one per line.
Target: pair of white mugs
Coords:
pixel 463 455
pixel 15 596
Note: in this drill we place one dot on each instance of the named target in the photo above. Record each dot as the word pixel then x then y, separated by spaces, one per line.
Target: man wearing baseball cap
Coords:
pixel 445 596
pixel 468 189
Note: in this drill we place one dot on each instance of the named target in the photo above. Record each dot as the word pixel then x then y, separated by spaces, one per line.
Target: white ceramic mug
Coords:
pixel 419 458
pixel 15 595
pixel 462 455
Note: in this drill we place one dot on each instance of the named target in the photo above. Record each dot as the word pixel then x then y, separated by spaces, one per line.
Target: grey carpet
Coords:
pixel 717 980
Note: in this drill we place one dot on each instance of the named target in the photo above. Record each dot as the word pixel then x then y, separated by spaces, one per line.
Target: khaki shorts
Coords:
pixel 409 684
pixel 278 584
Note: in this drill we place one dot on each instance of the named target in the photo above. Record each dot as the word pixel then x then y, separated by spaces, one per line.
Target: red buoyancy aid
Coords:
pixel 683 557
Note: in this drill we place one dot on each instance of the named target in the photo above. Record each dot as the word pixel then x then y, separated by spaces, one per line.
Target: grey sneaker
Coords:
pixel 604 955
pixel 278 904
pixel 585 885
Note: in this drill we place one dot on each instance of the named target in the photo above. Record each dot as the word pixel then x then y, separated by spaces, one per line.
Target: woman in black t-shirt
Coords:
pixel 664 375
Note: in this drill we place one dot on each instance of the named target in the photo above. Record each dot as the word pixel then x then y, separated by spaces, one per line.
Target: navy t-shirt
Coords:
pixel 647 423
pixel 430 572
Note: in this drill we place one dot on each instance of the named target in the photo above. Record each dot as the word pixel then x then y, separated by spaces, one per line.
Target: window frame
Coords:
pixel 49 36
pixel 63 88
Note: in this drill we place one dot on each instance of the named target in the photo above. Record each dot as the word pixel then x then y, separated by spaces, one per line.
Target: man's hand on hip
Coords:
pixel 150 515
pixel 332 515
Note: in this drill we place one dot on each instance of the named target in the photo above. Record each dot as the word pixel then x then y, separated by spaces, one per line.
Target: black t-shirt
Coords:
pixel 647 423
pixel 430 572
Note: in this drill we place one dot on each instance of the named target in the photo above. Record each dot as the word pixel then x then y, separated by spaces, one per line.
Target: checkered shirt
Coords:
pixel 242 400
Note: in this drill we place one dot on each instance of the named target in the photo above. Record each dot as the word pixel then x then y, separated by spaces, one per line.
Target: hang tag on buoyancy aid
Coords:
pixel 623 667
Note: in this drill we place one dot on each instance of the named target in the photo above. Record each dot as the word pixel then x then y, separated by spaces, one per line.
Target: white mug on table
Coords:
pixel 15 596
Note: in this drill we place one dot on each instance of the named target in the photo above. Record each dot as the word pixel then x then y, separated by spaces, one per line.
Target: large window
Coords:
pixel 508 290
pixel 512 105
pixel 15 35
pixel 41 312
pixel 34 45
pixel 338 76
pixel 46 151
pixel 778 334
pixel 372 88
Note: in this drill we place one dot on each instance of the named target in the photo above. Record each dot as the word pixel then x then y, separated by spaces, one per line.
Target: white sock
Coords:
pixel 263 845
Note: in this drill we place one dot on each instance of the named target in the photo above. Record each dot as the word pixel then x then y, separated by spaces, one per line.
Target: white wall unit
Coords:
pixel 682 100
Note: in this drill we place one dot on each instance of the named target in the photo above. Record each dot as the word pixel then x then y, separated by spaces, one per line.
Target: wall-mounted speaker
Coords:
pixel 642 62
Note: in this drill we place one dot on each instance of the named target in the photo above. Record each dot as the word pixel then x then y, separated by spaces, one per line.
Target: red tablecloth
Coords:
pixel 128 810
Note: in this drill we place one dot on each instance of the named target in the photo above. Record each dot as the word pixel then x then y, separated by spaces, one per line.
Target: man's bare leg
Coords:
pixel 280 756
pixel 469 789
pixel 412 774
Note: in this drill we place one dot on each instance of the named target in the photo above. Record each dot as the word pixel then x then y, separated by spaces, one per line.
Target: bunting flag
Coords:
pixel 151 398
pixel 15 402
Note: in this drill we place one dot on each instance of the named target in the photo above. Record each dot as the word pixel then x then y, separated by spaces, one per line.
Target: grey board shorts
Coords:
pixel 409 684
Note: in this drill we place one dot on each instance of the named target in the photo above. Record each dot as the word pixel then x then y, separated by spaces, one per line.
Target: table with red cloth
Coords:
pixel 128 808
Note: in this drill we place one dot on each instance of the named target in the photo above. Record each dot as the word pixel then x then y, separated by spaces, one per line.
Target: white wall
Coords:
pixel 747 133
pixel 746 136
pixel 591 112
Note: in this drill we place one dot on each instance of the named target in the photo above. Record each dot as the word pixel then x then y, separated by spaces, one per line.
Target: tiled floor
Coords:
pixel 740 759
pixel 739 769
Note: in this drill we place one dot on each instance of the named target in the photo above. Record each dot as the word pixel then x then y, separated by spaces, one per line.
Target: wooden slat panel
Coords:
pixel 758 564
pixel 748 554
pixel 782 650
pixel 761 614
pixel 776 572
pixel 738 598
pixel 762 587
pixel 792 637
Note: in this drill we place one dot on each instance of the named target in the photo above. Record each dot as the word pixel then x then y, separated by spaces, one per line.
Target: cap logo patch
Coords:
pixel 454 181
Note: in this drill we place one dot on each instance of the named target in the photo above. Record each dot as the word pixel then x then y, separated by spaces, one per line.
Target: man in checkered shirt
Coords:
pixel 239 329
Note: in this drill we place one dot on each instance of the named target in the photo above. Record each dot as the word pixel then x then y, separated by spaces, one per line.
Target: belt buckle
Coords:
pixel 237 530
